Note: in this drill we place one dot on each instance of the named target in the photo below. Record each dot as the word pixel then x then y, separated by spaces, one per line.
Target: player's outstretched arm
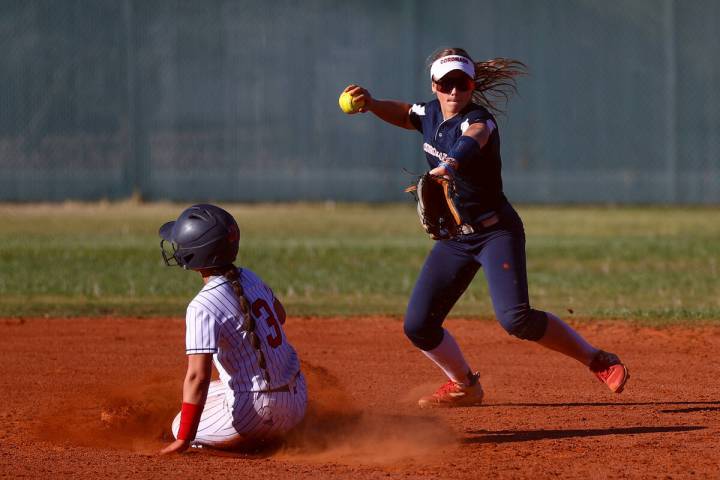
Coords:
pixel 195 390
pixel 392 111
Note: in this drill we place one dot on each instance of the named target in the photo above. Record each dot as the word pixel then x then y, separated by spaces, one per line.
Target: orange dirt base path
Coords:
pixel 94 397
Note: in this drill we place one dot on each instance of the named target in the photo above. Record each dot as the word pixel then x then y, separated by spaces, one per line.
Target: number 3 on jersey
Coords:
pixel 258 307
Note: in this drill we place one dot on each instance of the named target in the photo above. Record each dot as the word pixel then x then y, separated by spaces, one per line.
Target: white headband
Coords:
pixel 444 65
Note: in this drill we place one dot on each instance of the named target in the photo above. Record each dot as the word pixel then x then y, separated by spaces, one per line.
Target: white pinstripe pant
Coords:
pixel 255 415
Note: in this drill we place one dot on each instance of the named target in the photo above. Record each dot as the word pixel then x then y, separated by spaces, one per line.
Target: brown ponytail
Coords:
pixel 232 275
pixel 494 78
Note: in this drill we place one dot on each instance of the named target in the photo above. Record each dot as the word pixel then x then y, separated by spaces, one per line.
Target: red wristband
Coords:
pixel 189 421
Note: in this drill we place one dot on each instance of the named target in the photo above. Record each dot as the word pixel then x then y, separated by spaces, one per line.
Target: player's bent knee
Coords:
pixel 423 337
pixel 525 323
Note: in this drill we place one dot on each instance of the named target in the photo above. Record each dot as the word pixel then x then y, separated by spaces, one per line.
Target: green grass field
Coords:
pixel 651 265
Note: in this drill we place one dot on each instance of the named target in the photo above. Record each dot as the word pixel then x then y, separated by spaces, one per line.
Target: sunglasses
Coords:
pixel 461 84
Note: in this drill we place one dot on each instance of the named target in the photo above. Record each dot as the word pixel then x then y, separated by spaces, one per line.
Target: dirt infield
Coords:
pixel 92 397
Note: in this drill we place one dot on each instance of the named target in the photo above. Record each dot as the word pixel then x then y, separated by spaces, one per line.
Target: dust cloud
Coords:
pixel 336 427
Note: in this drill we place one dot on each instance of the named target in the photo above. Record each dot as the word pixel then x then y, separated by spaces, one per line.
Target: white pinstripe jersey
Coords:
pixel 214 325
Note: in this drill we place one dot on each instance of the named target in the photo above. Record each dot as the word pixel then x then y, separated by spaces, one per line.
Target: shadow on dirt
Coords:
pixel 692 409
pixel 508 436
pixel 256 450
pixel 597 404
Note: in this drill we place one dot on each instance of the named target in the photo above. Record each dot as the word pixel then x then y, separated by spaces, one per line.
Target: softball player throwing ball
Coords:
pixel 462 144
pixel 235 321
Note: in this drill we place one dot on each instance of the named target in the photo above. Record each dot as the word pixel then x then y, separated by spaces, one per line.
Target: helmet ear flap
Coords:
pixel 233 234
pixel 188 258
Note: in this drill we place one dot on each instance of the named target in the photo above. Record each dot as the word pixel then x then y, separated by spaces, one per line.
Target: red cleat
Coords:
pixel 454 394
pixel 608 368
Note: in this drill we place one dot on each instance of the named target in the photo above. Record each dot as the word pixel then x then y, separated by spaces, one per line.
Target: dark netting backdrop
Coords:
pixel 237 100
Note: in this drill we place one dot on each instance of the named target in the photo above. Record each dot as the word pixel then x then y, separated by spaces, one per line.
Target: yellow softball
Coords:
pixel 348 104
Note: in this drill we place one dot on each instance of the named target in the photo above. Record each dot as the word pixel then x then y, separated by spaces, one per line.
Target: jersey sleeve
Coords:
pixel 478 116
pixel 417 115
pixel 201 331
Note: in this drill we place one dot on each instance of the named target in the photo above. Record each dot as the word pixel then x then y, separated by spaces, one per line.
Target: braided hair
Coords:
pixel 232 275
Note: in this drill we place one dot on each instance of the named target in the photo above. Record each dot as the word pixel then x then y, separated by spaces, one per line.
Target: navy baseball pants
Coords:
pixel 451 266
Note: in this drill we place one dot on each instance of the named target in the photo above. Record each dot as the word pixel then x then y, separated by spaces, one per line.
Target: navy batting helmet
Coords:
pixel 203 236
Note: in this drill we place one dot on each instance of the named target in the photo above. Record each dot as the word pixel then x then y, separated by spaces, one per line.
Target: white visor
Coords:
pixel 443 65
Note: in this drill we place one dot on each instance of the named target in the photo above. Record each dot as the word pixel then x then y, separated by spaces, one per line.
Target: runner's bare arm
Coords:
pixel 195 389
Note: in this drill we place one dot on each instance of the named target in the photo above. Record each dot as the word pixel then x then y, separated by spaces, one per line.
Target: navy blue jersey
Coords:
pixel 478 181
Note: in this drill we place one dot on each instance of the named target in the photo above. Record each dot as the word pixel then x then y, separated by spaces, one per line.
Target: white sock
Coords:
pixel 561 337
pixel 450 359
